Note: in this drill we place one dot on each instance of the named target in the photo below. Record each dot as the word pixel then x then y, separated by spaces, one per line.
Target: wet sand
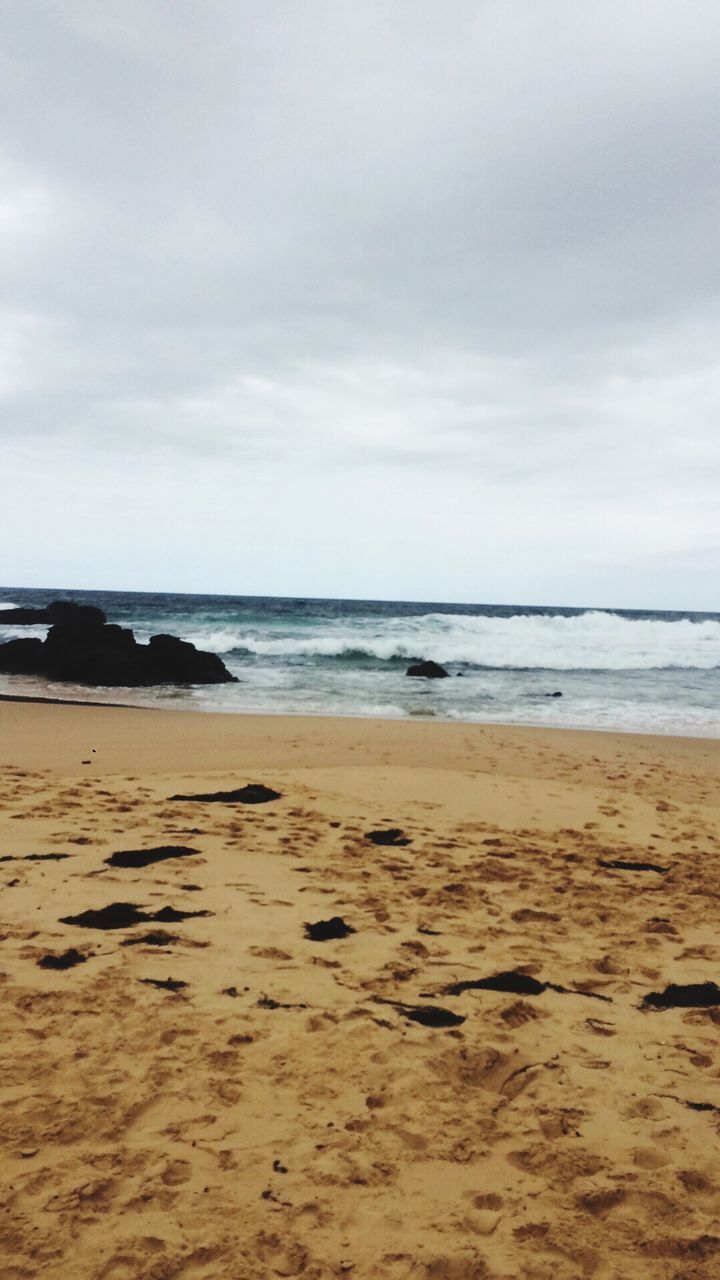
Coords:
pixel 258 1042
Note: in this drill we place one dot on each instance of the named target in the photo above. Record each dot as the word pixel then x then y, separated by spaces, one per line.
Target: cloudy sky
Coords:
pixel 400 298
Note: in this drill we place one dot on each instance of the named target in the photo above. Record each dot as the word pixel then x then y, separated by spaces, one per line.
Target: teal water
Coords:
pixel 631 670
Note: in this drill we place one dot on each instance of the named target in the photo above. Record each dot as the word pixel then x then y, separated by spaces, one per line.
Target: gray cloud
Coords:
pixel 332 276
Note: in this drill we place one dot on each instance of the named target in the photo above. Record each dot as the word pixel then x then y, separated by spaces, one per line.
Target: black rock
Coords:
pixel 427 670
pixel 556 694
pixel 59 611
pixel 21 657
pixel 83 648
pixel 172 661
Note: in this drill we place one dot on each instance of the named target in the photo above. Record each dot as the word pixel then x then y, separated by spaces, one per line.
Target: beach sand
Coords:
pixel 285 1113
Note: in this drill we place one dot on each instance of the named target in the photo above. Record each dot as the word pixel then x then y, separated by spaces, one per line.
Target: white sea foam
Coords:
pixel 7 604
pixel 8 632
pixel 591 641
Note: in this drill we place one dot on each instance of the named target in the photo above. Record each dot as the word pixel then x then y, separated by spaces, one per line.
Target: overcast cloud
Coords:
pixel 404 300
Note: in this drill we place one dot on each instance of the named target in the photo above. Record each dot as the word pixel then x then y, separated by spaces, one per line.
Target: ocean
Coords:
pixel 622 669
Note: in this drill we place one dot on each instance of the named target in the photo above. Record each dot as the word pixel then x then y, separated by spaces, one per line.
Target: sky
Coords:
pixel 402 301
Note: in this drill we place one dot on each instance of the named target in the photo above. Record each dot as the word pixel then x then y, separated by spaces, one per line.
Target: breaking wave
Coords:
pixel 591 641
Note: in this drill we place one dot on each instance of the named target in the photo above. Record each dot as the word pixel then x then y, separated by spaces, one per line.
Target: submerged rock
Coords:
pixel 427 671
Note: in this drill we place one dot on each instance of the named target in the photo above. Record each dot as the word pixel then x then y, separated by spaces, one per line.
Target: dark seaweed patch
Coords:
pixel 694 995
pixel 169 915
pixel 431 1016
pixel 157 939
pixel 617 864
pixel 46 857
pixel 67 960
pixel 35 857
pixel 124 915
pixel 145 857
pixel 326 930
pixel 518 984
pixel 685 1102
pixel 119 915
pixel 267 1002
pixel 165 984
pixel 253 793
pixel 394 837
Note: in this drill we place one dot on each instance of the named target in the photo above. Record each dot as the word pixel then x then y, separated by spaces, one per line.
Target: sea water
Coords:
pixel 620 669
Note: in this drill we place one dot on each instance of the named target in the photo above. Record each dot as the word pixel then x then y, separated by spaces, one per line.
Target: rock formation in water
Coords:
pixel 83 648
pixel 59 611
pixel 427 670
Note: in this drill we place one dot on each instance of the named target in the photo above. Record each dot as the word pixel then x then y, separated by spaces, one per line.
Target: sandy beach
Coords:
pixel 366 1105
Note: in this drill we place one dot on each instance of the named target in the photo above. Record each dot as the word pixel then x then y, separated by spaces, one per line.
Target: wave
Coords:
pixel 7 604
pixel 591 641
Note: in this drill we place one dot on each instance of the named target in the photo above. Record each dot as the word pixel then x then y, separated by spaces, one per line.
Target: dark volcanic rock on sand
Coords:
pixel 83 648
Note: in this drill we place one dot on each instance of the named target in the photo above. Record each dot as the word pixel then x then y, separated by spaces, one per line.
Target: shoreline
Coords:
pixel 182 739
pixel 427 719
